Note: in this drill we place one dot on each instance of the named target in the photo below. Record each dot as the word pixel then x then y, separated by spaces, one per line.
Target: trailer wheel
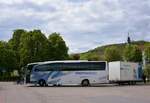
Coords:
pixel 85 82
pixel 130 83
pixel 133 83
pixel 120 83
pixel 42 83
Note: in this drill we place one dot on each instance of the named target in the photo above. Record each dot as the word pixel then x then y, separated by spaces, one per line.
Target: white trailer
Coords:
pixel 124 72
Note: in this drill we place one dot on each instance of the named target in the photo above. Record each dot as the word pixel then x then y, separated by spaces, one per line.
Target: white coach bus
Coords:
pixel 82 73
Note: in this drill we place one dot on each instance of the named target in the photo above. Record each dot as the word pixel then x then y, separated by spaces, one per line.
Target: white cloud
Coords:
pixel 84 24
pixel 10 2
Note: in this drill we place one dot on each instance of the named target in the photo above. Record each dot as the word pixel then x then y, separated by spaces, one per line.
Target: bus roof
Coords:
pixel 34 63
pixel 64 61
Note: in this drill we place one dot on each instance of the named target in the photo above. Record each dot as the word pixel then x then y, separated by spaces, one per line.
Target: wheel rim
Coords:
pixel 41 83
pixel 85 83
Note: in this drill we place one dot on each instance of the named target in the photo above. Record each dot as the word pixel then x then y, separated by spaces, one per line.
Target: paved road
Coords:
pixel 10 93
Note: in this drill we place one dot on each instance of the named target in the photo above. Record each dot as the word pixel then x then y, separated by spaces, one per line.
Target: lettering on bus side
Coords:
pixel 86 73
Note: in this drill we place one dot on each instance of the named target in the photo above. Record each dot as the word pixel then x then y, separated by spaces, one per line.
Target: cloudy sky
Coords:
pixel 84 24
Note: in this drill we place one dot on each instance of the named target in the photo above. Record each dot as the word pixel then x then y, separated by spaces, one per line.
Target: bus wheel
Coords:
pixel 54 85
pixel 42 83
pixel 85 82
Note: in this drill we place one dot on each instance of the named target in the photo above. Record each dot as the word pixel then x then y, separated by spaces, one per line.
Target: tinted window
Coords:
pixel 72 66
pixel 48 67
pixel 43 68
pixel 83 66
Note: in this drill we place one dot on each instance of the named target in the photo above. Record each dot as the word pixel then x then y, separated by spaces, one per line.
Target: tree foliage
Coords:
pixel 147 52
pixel 147 71
pixel 14 43
pixel 60 50
pixel 16 39
pixel 34 47
pixel 93 57
pixel 31 46
pixel 112 54
pixel 74 56
pixel 7 57
pixel 132 53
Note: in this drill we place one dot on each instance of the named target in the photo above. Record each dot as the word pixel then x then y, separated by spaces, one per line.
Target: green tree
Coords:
pixel 147 71
pixel 59 48
pixel 7 57
pixel 132 53
pixel 112 54
pixel 15 44
pixel 34 47
pixel 75 56
pixel 93 57
pixel 147 52
pixel 15 41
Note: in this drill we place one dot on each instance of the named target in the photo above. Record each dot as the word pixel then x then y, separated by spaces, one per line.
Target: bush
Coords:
pixel 112 54
pixel 132 53
pixel 147 71
pixel 8 77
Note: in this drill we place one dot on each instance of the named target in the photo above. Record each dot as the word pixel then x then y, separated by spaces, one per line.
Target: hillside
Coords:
pixel 99 51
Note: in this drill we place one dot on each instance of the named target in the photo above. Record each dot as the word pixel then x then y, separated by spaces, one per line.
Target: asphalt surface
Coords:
pixel 12 93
